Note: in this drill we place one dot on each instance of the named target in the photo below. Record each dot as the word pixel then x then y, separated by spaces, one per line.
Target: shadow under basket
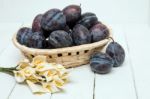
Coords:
pixel 68 56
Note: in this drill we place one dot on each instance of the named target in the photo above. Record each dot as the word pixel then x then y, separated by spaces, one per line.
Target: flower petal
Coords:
pixel 19 76
pixel 36 88
pixel 58 81
pixel 48 75
pixel 38 60
pixel 44 67
pixel 28 71
pixel 22 65
pixel 50 87
pixel 35 78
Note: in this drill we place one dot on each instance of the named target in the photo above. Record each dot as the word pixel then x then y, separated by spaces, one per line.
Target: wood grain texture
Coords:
pixel 7 82
pixel 138 37
pixel 23 92
pixel 9 58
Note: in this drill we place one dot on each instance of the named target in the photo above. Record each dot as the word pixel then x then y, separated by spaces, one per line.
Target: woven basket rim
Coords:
pixel 58 50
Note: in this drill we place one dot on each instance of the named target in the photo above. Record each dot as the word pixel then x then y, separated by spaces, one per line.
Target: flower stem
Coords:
pixel 8 70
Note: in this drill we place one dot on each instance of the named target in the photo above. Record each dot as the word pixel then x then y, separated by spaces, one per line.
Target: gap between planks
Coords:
pixel 138 38
pixel 12 90
pixel 94 86
pixel 131 65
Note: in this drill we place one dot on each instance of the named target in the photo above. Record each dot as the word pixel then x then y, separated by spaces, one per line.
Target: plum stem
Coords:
pixel 80 4
pixel 111 39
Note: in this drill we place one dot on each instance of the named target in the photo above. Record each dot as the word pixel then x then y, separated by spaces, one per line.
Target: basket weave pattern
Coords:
pixel 69 56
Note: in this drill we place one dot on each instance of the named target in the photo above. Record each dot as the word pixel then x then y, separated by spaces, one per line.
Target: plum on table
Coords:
pixel 101 63
pixel 116 51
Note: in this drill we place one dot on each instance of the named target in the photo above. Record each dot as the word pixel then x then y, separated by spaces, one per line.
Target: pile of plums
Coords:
pixel 62 28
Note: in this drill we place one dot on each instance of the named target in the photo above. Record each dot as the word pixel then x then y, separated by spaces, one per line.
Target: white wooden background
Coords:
pixel 130 22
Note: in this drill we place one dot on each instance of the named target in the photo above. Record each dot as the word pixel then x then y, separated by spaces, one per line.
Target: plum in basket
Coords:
pixel 73 14
pixel 81 35
pixel 37 40
pixel 53 19
pixel 99 32
pixel 88 20
pixel 59 39
pixel 23 35
pixel 36 25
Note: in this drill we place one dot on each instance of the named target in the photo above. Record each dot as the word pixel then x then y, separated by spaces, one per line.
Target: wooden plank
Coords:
pixel 80 86
pixel 138 37
pixel 8 58
pixel 7 82
pixel 23 92
pixel 119 83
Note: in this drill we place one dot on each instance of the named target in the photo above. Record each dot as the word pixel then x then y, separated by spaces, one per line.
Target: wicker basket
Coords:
pixel 69 56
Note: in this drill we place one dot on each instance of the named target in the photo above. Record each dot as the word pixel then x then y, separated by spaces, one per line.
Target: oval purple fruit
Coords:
pixel 73 14
pixel 81 35
pixel 37 40
pixel 53 19
pixel 59 39
pixel 36 25
pixel 101 63
pixel 23 35
pixel 99 32
pixel 117 53
pixel 88 20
